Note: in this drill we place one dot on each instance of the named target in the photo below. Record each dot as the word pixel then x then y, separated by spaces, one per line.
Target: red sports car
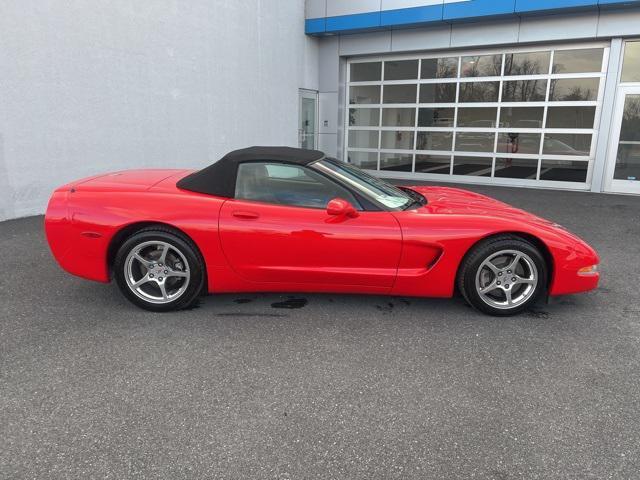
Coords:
pixel 286 220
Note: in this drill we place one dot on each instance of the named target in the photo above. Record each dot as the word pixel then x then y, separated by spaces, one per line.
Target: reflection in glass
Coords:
pixel 631 63
pixel 400 162
pixel 479 91
pixel 436 117
pixel 365 160
pixel 401 70
pixel 438 93
pixel 366 72
pixel 436 164
pixel 397 140
pixel 516 168
pixel 475 142
pixel 484 117
pixel 521 117
pixel 574 89
pixel 567 144
pixel 481 66
pixel 472 166
pixel 398 117
pixel 364 94
pixel 439 68
pixel 529 63
pixel 364 117
pixel 400 93
pixel 571 117
pixel 564 171
pixel 628 159
pixel 578 61
pixel 524 91
pixel 440 141
pixel 519 143
pixel 363 139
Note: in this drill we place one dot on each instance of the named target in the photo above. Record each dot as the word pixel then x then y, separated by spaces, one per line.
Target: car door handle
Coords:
pixel 246 215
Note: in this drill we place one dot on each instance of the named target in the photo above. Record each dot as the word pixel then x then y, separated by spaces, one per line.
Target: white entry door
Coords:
pixel 623 171
pixel 308 123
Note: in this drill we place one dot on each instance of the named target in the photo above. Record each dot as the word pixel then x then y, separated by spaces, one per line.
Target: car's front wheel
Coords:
pixel 503 276
pixel 159 270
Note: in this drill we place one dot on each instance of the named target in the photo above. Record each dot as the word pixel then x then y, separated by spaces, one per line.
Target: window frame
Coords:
pixel 499 105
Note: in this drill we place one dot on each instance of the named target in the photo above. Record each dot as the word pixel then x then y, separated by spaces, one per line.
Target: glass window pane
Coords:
pixel 571 117
pixel 365 160
pixel 529 63
pixel 441 141
pixel 521 117
pixel 398 117
pixel 472 166
pixel 628 159
pixel 363 139
pixel 574 90
pixel 477 117
pixel 438 93
pixel 564 171
pixel 567 144
pixel 475 142
pixel 400 162
pixel 400 93
pixel 482 66
pixel 439 68
pixel 479 91
pixel 364 94
pixel 519 143
pixel 631 62
pixel 364 117
pixel 401 70
pixel 437 164
pixel 524 91
pixel 436 117
pixel 366 72
pixel 516 168
pixel 578 61
pixel 397 140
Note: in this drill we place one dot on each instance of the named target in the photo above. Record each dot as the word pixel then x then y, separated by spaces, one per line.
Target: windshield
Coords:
pixel 372 187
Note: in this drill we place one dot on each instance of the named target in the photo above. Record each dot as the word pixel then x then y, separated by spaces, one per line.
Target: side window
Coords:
pixel 290 185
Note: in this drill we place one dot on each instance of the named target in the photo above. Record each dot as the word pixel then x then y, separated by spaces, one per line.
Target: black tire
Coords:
pixel 180 250
pixel 475 273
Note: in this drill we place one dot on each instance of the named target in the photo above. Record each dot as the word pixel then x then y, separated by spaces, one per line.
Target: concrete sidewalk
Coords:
pixel 341 387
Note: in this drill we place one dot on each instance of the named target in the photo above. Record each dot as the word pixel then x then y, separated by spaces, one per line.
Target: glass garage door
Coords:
pixel 518 116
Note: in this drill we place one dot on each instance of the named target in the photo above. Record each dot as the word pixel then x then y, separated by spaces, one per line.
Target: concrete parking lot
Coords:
pixel 335 386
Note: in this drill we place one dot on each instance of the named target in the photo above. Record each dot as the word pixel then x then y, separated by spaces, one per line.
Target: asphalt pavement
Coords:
pixel 323 386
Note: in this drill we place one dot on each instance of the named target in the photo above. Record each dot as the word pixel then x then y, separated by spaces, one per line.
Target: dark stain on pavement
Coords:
pixel 291 303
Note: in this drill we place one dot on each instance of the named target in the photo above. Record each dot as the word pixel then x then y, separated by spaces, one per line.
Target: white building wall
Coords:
pixel 93 86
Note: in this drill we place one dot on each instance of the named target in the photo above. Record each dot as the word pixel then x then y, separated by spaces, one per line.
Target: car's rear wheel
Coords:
pixel 159 270
pixel 503 276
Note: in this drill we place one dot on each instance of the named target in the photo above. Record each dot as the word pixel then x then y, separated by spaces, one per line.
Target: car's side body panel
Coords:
pixel 290 245
pixel 412 253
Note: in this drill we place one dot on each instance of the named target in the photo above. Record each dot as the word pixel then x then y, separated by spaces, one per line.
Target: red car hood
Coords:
pixel 454 201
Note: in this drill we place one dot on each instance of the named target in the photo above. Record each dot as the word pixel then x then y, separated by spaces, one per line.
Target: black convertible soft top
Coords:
pixel 220 178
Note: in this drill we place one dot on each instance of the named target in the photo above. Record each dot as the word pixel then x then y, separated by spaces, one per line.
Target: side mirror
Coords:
pixel 339 207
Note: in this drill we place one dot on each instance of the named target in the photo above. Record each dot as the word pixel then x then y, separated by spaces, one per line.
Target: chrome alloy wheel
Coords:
pixel 507 279
pixel 157 272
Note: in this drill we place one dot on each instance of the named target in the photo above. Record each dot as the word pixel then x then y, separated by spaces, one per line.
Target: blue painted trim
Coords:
pixel 411 16
pixel 450 13
pixel 315 25
pixel 478 8
pixel 528 6
pixel 359 21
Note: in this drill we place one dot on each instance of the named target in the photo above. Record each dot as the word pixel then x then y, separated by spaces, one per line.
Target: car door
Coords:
pixel 277 230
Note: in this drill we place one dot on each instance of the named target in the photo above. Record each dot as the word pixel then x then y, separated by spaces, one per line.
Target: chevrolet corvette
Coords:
pixel 277 219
